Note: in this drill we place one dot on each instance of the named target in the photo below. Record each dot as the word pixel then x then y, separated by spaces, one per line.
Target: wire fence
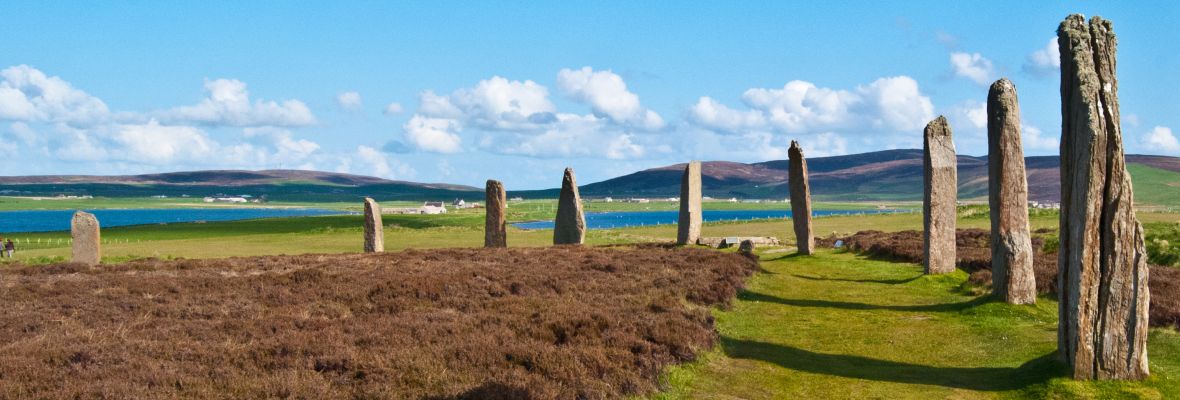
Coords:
pixel 29 243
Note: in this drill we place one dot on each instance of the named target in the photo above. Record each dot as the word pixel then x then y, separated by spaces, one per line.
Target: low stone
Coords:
pixel 374 229
pixel 747 247
pixel 86 237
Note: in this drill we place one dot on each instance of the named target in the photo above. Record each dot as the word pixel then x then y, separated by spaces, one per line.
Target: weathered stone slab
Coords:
pixel 374 229
pixel 495 232
pixel 941 196
pixel 747 247
pixel 1102 330
pixel 1012 252
pixel 86 237
pixel 570 225
pixel 731 241
pixel 688 228
pixel 800 199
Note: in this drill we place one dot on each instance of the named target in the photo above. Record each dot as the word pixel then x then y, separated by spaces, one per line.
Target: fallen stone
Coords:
pixel 1012 252
pixel 688 225
pixel 941 196
pixel 86 237
pixel 570 225
pixel 495 228
pixel 1102 275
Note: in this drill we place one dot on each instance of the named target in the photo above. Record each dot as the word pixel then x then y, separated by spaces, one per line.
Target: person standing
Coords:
pixel 9 247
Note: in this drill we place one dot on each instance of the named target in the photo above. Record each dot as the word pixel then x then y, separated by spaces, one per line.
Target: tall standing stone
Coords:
pixel 86 237
pixel 941 195
pixel 495 232
pixel 570 225
pixel 1012 253
pixel 800 199
pixel 374 229
pixel 689 224
pixel 1102 330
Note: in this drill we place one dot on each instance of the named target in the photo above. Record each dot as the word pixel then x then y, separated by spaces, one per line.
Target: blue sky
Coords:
pixel 461 92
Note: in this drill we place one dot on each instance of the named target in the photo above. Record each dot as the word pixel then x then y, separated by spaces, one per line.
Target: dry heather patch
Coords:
pixel 560 322
pixel 974 255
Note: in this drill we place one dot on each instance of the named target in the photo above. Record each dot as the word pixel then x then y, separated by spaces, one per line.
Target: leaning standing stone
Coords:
pixel 800 199
pixel 374 229
pixel 495 232
pixel 570 225
pixel 689 224
pixel 87 238
pixel 1012 253
pixel 1102 269
pixel 940 198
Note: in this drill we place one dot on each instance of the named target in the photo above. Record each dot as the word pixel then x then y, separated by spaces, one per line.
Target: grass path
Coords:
pixel 841 326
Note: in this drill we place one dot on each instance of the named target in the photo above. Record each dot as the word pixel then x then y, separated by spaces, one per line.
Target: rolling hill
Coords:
pixel 881 175
pixel 889 175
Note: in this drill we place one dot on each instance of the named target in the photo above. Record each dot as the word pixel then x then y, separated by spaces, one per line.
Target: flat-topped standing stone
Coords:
pixel 800 199
pixel 86 238
pixel 1012 253
pixel 374 229
pixel 570 225
pixel 941 196
pixel 1102 267
pixel 495 232
pixel 689 224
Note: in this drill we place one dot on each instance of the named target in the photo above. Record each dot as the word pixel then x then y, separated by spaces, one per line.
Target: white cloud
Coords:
pixel 228 104
pixel 393 108
pixel 973 66
pixel 607 95
pixel 1045 61
pixel 1161 138
pixel 27 94
pixel 374 162
pixel 349 101
pixel 711 114
pixel 433 134
pixel 153 143
pixel 971 113
pixel 885 105
pixel 1034 139
pixel 515 117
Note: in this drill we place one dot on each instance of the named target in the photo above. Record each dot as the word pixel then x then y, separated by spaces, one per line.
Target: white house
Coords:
pixel 433 207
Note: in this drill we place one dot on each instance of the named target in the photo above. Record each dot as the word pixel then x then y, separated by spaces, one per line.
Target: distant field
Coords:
pixel 343 234
pixel 1155 186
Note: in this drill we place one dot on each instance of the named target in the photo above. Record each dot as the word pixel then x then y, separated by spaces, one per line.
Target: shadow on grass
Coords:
pixel 1034 371
pixel 844 305
pixel 882 281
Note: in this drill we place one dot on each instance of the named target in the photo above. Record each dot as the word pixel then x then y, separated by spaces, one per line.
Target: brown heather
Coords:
pixel 974 256
pixel 564 322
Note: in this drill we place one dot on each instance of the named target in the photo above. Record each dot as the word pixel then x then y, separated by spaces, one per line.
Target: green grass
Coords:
pixel 1155 186
pixel 842 326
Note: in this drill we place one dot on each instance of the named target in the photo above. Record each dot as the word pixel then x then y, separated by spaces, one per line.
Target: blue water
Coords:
pixel 620 219
pixel 59 220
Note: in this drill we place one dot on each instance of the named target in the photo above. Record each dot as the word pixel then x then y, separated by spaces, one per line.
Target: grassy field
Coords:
pixel 842 326
pixel 1155 186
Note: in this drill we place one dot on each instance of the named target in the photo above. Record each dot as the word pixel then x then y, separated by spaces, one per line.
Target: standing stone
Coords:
pixel 87 239
pixel 941 195
pixel 495 232
pixel 689 224
pixel 570 225
pixel 374 229
pixel 800 199
pixel 1012 253
pixel 1102 330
